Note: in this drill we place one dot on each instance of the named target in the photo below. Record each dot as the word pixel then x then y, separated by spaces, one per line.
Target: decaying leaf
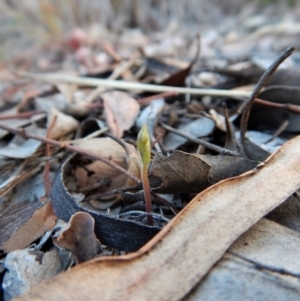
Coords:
pixel 218 119
pixel 254 152
pixel 78 237
pixel 266 141
pixel 64 124
pixel 15 177
pixel 23 148
pixel 23 223
pixel 268 255
pixel 109 148
pixel 200 127
pixel 28 267
pixel 174 174
pixel 121 111
pixel 17 122
pixel 186 173
pixel 168 72
pixel 150 115
pixel 190 244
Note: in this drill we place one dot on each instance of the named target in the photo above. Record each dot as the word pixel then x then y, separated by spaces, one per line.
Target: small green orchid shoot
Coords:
pixel 144 148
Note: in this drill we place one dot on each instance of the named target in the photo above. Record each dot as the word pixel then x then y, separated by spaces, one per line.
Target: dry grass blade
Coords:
pixel 189 245
pixel 125 85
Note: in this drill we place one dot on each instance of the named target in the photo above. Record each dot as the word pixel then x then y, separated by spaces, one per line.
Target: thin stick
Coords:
pixel 158 138
pixel 230 139
pixel 125 85
pixel 47 182
pixel 25 135
pixel 208 145
pixel 282 128
pixel 22 115
pixel 288 106
pixel 164 202
pixel 121 190
pixel 110 50
pixel 267 74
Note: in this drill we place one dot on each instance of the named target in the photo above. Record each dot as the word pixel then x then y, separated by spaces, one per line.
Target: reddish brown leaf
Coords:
pixel 79 237
pixel 121 111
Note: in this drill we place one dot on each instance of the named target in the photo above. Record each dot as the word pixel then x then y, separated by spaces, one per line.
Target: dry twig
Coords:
pixel 211 146
pixel 25 135
pixel 256 91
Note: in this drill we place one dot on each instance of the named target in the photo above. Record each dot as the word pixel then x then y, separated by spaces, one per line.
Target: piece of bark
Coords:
pixel 23 223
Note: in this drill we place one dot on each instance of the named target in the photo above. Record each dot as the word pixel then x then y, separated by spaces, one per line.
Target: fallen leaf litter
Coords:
pixel 210 134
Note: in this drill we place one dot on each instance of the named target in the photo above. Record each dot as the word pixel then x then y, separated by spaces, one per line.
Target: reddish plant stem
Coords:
pixel 288 106
pixel 25 135
pixel 147 194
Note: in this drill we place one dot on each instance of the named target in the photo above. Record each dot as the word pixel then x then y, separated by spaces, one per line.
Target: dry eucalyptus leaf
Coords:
pixel 107 147
pixel 266 141
pixel 200 127
pixel 121 111
pixel 78 237
pixel 56 100
pixel 178 78
pixel 13 178
pixel 261 265
pixel 63 125
pixel 234 278
pixel 270 244
pixel 29 267
pixel 186 173
pixel 23 148
pixel 73 99
pixel 17 122
pixel 179 172
pixel 150 115
pixel 254 152
pixel 218 119
pixel 188 247
pixel 67 91
pixel 30 188
pixel 23 223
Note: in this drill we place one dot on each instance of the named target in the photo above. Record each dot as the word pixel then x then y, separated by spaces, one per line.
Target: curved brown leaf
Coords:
pixel 78 237
pixel 121 111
